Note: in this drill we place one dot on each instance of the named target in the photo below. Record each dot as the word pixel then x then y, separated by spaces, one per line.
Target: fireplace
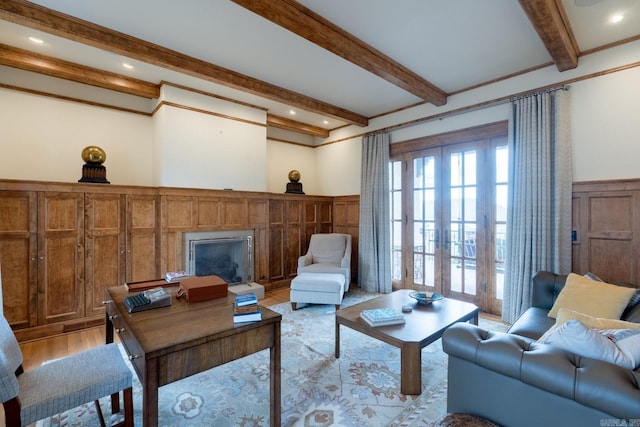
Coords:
pixel 228 254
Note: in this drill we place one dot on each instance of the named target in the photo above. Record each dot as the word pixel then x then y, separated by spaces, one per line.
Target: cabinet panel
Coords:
pixel 208 212
pixel 234 215
pixel 60 257
pixel 179 212
pixel 607 229
pixel 104 247
pixel 293 236
pixel 18 231
pixel 142 238
pixel 257 213
pixel 276 240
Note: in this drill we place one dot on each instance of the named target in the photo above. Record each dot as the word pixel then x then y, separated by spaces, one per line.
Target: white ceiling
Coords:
pixel 454 44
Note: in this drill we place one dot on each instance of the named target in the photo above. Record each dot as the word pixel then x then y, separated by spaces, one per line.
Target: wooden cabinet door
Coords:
pixel 258 221
pixel 294 236
pixel 142 238
pixel 276 240
pixel 18 231
pixel 60 257
pixel 104 247
pixel 317 219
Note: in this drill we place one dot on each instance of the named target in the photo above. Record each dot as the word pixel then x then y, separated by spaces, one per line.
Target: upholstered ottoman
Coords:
pixel 317 288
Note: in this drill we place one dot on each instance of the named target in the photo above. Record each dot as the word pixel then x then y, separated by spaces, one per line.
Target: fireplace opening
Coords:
pixel 227 254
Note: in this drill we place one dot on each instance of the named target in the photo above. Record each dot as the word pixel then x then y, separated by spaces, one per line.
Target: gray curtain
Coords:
pixel 539 205
pixel 374 251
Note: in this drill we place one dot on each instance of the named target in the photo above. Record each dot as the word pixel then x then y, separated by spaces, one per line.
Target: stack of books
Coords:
pixel 175 276
pixel 382 316
pixel 246 308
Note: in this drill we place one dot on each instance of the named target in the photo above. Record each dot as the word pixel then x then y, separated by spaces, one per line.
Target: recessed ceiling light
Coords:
pixel 292 112
pixel 326 122
pixel 616 18
pixel 127 66
pixel 36 40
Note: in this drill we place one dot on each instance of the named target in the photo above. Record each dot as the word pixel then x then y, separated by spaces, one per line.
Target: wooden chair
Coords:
pixel 63 384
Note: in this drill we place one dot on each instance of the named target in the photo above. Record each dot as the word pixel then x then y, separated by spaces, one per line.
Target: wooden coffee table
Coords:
pixel 424 325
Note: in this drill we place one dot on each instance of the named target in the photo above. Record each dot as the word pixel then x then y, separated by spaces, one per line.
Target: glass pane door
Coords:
pixel 426 235
pixel 461 223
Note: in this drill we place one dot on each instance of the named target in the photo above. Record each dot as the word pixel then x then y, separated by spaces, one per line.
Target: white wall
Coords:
pixel 604 114
pixel 41 138
pixel 282 158
pixel 212 144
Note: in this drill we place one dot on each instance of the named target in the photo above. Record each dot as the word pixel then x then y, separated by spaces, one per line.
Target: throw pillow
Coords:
pixel 618 346
pixel 564 315
pixel 598 299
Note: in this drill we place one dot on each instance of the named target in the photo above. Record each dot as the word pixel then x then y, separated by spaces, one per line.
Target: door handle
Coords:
pixel 446 239
pixel 436 240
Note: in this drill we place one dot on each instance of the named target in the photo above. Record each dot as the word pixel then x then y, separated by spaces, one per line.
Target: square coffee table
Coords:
pixel 424 325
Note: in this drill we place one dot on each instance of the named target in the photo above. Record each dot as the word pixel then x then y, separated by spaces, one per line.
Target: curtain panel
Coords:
pixel 374 247
pixel 539 200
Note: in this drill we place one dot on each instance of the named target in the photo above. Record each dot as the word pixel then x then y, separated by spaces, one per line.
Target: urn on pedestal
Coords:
pixel 93 170
pixel 294 186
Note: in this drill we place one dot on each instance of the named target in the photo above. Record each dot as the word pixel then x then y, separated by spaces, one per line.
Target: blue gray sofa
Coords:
pixel 512 380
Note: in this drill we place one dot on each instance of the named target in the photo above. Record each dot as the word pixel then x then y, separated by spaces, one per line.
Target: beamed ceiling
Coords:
pixel 333 62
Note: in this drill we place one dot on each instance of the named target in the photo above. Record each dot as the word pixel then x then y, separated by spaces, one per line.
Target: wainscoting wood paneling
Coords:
pixel 81 238
pixel 346 219
pixel 606 223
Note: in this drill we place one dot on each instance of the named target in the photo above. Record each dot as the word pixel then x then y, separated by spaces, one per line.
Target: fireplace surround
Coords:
pixel 228 254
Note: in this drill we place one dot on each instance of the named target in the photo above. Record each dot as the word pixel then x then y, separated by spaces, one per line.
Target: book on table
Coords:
pixel 175 276
pixel 246 308
pixel 251 313
pixel 247 298
pixel 382 316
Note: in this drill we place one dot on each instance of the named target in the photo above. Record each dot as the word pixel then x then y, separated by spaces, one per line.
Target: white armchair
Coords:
pixel 328 253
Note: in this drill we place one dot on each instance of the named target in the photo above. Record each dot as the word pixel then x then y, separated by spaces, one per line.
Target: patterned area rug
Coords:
pixel 361 388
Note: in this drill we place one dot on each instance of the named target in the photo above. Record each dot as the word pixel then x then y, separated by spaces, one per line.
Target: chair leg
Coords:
pixel 99 411
pixel 294 306
pixel 128 408
pixel 12 413
pixel 115 402
pixel 337 307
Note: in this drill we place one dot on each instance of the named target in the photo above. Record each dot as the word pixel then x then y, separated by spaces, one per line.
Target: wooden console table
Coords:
pixel 170 343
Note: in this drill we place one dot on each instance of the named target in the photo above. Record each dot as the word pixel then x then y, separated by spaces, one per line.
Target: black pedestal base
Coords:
pixel 294 188
pixel 94 173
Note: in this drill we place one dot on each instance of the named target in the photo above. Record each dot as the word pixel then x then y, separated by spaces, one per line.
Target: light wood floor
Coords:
pixel 36 352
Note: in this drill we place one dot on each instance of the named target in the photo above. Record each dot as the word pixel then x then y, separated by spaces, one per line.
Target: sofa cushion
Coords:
pixel 532 323
pixel 618 346
pixel 594 298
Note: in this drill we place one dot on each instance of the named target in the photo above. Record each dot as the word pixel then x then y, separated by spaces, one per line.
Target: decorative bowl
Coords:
pixel 425 298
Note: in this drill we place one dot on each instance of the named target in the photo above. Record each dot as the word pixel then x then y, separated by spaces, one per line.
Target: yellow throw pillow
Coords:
pixel 597 299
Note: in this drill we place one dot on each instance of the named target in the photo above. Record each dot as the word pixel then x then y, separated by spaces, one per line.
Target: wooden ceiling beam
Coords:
pixel 54 67
pixel 293 125
pixel 550 21
pixel 304 22
pixel 50 21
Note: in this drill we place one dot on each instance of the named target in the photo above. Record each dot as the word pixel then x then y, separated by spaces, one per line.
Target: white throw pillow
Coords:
pixel 618 346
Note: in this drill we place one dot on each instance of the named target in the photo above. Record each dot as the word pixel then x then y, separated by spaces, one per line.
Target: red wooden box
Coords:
pixel 202 288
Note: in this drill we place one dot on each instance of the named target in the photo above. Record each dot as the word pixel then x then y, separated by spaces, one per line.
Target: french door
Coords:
pixel 448 214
